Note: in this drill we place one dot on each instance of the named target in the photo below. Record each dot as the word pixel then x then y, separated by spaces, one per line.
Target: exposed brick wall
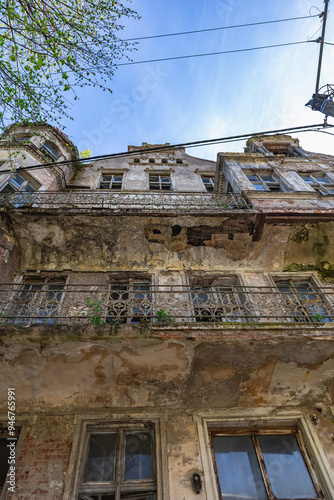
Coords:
pixel 43 459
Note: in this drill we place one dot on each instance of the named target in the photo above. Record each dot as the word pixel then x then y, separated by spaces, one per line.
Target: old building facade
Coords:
pixel 166 322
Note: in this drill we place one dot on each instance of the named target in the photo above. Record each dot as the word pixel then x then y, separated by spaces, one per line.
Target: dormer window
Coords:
pixel 50 150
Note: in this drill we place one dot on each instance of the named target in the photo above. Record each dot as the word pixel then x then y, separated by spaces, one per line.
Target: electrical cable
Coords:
pixel 219 28
pixel 209 54
pixel 206 142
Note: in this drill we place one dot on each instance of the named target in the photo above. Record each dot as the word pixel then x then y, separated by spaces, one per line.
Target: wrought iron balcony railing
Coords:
pixel 115 200
pixel 51 303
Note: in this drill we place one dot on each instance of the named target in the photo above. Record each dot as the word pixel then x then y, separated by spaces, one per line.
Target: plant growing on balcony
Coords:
pixel 164 317
pixel 95 311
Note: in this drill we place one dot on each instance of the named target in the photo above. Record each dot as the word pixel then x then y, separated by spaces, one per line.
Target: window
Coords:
pixel 119 464
pixel 50 150
pixel 217 299
pixel 209 182
pixel 319 182
pixel 160 182
pixel 179 160
pixel 129 301
pixel 111 181
pixel 35 301
pixel 262 465
pixel 20 182
pixel 264 182
pixel 303 302
pixel 151 160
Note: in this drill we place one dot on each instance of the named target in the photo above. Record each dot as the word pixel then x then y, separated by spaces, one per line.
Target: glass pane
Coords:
pixel 307 179
pixel 138 456
pixel 238 469
pixel 323 180
pixel 267 178
pixel 28 188
pixel 100 463
pixel 17 180
pixel 8 189
pixel 253 178
pixel 258 186
pixel 118 178
pixel 288 474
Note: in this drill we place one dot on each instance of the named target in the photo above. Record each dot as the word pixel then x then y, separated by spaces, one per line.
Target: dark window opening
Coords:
pixel 176 230
pixel 50 150
pixel 111 181
pixel 120 464
pixel 160 182
pixel 209 182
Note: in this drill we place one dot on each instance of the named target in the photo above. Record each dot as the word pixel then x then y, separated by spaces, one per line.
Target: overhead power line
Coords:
pixel 218 28
pixel 206 142
pixel 209 54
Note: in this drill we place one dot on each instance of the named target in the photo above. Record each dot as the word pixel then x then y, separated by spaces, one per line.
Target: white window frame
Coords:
pixel 210 184
pixel 265 184
pixel 83 423
pixel 264 419
pixel 112 180
pixel 28 180
pixel 318 186
pixel 160 183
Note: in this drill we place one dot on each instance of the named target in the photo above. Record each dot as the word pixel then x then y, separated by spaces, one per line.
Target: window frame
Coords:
pixel 112 181
pixel 210 184
pixel 265 184
pixel 211 285
pixel 305 312
pixel 319 187
pixel 159 182
pixel 83 422
pixel 253 433
pixel 263 418
pixel 36 185
pixel 19 289
pixel 119 484
pixel 129 282
pixel 51 150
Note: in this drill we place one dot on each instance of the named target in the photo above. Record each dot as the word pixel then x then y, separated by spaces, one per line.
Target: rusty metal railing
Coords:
pixel 113 200
pixel 51 303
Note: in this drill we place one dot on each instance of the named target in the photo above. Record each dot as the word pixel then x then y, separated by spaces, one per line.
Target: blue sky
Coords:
pixel 215 96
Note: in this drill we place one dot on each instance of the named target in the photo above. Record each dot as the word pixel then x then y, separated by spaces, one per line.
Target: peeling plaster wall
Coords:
pixel 57 378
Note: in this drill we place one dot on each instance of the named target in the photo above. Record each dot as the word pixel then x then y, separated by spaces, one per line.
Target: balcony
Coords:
pixel 139 302
pixel 124 201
